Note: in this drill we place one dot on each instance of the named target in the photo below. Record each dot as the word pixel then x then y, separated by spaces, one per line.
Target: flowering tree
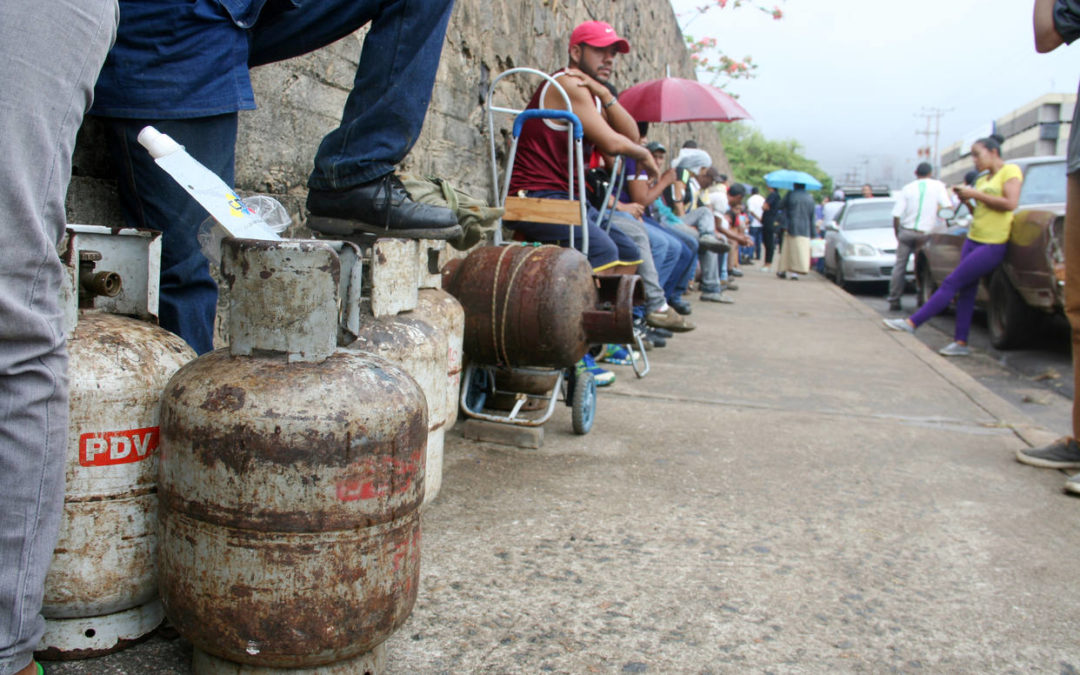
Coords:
pixel 704 51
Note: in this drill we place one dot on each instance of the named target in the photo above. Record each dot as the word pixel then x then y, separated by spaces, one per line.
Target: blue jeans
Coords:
pixel 383 116
pixel 755 234
pixel 678 266
pixel 688 259
pixel 605 248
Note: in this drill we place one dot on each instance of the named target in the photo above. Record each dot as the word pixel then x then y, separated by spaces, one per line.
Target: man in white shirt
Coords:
pixel 914 217
pixel 755 206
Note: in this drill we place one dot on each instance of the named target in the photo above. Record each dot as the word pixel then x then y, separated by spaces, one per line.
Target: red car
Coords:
pixel 1030 283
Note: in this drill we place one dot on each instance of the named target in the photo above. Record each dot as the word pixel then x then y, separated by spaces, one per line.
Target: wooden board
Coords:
pixel 553 211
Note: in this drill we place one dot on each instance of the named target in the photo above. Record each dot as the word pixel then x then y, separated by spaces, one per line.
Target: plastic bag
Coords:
pixel 269 209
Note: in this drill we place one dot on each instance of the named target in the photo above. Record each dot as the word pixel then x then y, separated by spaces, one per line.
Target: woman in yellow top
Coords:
pixel 996 194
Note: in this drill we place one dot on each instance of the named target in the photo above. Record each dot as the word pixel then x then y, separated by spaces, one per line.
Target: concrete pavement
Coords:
pixel 792 489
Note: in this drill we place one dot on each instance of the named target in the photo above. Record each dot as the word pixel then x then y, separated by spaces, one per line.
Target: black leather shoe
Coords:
pixel 681 306
pixel 381 207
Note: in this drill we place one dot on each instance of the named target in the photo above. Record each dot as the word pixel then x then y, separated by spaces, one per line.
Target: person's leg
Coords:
pixel 755 232
pixel 688 258
pixel 768 238
pixel 50 55
pixel 905 243
pixel 385 110
pixel 976 261
pixel 666 250
pixel 636 232
pixel 1072 279
pixel 152 199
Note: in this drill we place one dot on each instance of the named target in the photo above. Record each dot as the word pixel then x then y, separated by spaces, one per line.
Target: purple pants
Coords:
pixel 976 261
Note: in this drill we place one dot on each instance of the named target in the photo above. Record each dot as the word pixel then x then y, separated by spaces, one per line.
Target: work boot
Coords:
pixel 380 207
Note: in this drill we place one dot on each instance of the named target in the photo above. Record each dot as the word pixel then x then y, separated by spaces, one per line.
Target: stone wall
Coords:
pixel 301 99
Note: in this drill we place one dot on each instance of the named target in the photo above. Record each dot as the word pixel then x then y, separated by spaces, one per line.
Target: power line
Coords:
pixel 934 114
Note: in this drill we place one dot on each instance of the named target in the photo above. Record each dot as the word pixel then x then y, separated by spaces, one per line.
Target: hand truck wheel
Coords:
pixel 583 403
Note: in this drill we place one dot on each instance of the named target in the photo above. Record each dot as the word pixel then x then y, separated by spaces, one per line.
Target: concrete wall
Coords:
pixel 301 99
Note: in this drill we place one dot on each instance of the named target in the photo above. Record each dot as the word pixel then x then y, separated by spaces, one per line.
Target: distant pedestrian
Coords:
pixel 996 194
pixel 1055 23
pixel 755 206
pixel 867 190
pixel 798 207
pixel 915 215
pixel 769 223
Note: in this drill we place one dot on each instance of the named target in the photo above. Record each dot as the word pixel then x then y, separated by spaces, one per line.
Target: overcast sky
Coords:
pixel 847 78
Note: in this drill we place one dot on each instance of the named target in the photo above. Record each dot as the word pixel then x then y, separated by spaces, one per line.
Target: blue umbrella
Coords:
pixel 786 179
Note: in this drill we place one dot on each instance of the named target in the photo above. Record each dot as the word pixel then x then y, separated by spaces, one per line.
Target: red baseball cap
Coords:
pixel 598 34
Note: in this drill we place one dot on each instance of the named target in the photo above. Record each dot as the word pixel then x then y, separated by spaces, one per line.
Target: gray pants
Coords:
pixel 704 222
pixel 635 229
pixel 906 241
pixel 50 55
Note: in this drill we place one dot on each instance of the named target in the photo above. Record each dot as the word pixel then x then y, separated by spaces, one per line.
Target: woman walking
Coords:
pixel 996 195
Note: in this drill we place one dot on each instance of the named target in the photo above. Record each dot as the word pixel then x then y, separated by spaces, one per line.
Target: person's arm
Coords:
pixel 731 232
pixel 643 194
pixel 678 189
pixel 606 139
pixel 1008 201
pixel 1047 37
pixel 896 226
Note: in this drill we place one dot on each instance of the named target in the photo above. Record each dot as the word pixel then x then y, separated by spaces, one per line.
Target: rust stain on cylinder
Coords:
pixel 306 499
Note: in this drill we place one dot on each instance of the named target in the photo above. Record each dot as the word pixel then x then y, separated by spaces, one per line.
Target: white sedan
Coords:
pixel 860 246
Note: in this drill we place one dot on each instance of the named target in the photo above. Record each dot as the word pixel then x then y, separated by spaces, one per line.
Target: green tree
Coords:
pixel 751 156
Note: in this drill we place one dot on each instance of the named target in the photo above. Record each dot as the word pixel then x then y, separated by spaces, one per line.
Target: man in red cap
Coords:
pixel 540 167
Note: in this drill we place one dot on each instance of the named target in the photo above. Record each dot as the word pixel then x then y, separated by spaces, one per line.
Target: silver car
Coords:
pixel 860 246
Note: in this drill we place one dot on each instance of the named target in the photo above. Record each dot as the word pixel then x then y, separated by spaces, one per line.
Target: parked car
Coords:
pixel 861 245
pixel 1030 283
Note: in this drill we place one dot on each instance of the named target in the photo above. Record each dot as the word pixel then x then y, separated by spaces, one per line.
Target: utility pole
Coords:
pixel 934 114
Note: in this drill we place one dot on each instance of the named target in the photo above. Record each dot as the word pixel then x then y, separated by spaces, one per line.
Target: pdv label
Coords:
pixel 106 448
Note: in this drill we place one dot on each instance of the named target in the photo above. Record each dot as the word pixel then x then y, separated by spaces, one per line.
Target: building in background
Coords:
pixel 1037 129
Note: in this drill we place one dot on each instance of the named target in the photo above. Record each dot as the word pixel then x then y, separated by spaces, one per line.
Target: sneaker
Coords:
pixel 618 355
pixel 782 275
pixel 717 297
pixel 712 243
pixel 899 325
pixel 588 365
pixel 894 306
pixel 729 285
pixel 1064 453
pixel 658 340
pixel 955 349
pixel 659 332
pixel 669 319
pixel 794 277
pixel 380 207
pixel 1073 484
pixel 735 273
pixel 766 269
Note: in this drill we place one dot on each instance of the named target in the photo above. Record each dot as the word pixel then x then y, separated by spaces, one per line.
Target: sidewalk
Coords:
pixel 792 489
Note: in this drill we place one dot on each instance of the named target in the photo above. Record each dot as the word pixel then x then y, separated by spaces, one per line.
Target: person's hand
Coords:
pixel 963 192
pixel 634 209
pixel 583 80
pixel 648 165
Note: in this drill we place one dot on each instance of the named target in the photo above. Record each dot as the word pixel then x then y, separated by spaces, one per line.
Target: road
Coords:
pixel 1037 380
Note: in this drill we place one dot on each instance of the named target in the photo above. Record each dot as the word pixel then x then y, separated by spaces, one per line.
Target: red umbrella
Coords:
pixel 673 99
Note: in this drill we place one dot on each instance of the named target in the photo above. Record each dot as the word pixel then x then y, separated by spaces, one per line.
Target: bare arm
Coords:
pixel 606 139
pixel 1047 39
pixel 643 194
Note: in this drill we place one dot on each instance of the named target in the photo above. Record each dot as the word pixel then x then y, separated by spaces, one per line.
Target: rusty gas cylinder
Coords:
pixel 292 471
pixel 537 306
pixel 443 311
pixel 101 587
pixel 419 349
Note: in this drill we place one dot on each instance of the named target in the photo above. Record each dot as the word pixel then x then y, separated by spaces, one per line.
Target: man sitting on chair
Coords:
pixel 541 166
